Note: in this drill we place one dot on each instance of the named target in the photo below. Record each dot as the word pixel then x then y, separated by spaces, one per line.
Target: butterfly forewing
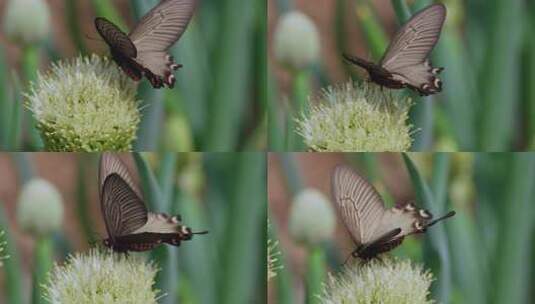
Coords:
pixel 115 38
pixel 374 228
pixel 144 51
pixel 360 206
pixel 405 62
pixel 415 40
pixel 163 25
pixel 124 212
pixel 111 163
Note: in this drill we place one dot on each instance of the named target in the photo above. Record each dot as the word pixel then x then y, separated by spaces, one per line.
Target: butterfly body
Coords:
pixel 405 63
pixel 374 228
pixel 130 226
pixel 143 52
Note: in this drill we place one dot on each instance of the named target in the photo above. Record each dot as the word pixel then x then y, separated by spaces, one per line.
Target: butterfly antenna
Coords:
pixel 200 232
pixel 449 214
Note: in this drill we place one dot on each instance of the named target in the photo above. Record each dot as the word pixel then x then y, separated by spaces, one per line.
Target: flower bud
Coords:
pixel 312 219
pixel 40 208
pixel 27 21
pixel 296 40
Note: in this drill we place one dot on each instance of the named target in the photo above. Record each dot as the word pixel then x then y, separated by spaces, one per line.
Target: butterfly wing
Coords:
pixel 162 223
pixel 122 206
pixel 156 32
pixel 115 38
pixel 359 204
pixel 406 57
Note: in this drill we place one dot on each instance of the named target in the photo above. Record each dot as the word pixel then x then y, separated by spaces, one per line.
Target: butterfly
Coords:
pixel 405 62
pixel 130 226
pixel 143 52
pixel 374 228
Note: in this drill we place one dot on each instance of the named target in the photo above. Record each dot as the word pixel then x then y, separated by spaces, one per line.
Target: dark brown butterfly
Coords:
pixel 405 62
pixel 130 226
pixel 143 52
pixel 374 228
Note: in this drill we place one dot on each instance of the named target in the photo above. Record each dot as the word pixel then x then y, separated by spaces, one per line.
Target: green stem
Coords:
pixel 42 263
pixel 316 273
pixel 30 67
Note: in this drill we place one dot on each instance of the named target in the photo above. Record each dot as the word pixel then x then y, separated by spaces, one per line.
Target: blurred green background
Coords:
pixel 487 49
pixel 224 193
pixel 218 102
pixel 483 254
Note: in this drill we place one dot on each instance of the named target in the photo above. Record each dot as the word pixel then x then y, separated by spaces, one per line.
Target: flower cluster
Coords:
pixel 357 117
pixel 86 104
pixel 102 277
pixel 390 281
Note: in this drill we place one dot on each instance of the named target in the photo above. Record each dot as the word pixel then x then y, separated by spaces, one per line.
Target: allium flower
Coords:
pixel 357 117
pixel 27 21
pixel 86 104
pixel 3 244
pixel 102 277
pixel 272 259
pixel 296 40
pixel 312 219
pixel 40 208
pixel 390 281
pixel 272 253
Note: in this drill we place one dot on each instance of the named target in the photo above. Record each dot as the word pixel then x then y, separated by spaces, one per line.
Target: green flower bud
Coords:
pixel 357 117
pixel 86 104
pixel 390 281
pixel 40 208
pixel 296 40
pixel 27 21
pixel 312 219
pixel 98 277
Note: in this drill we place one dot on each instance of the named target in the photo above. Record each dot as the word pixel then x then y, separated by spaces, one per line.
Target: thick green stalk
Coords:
pixel 316 273
pixel 71 15
pixel 42 263
pixel 437 235
pixel 499 76
pixel 371 28
pixel 241 260
pixel 105 8
pixel 511 283
pixel 231 75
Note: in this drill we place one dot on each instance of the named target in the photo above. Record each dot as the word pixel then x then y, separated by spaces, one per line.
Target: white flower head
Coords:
pixel 312 219
pixel 102 277
pixel 357 117
pixel 27 21
pixel 85 104
pixel 296 40
pixel 390 281
pixel 40 208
